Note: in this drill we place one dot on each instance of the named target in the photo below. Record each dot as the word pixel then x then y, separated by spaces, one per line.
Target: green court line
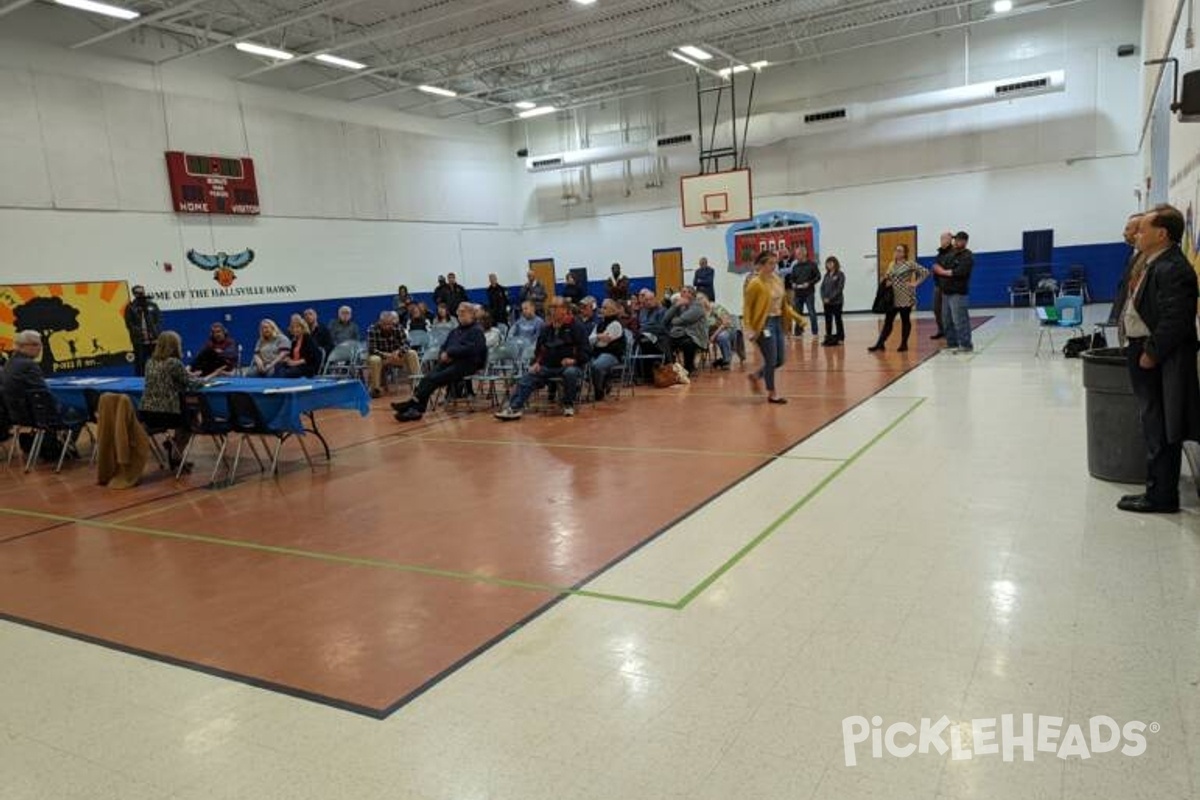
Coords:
pixel 470 577
pixel 786 515
pixel 329 558
pixel 623 449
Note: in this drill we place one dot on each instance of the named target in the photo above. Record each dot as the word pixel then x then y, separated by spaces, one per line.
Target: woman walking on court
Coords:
pixel 904 276
pixel 764 304
pixel 833 287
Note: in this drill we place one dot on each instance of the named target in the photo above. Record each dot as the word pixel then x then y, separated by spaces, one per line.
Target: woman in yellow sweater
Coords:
pixel 763 307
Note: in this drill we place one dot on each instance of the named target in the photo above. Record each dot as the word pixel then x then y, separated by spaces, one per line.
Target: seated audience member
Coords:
pixel 22 375
pixel 417 318
pixel 607 341
pixel 166 379
pixel 303 359
pixel 387 346
pixel 721 330
pixel 573 291
pixel 587 314
pixel 219 356
pixel 651 332
pixel 463 354
pixel 561 353
pixel 528 326
pixel 269 352
pixel 401 302
pixel 343 329
pixel 443 320
pixel 687 327
pixel 491 334
pixel 319 332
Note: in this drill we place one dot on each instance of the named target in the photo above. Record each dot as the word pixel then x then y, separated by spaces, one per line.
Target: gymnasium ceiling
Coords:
pixel 494 53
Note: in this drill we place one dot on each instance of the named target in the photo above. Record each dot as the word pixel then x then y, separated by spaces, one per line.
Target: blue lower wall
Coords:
pixel 995 271
pixel 989 288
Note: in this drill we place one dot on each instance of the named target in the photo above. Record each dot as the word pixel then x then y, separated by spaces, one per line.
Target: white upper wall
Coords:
pixel 86 132
pixel 1096 117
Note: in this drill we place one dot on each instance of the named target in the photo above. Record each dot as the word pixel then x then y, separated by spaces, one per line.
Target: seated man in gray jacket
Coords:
pixel 687 327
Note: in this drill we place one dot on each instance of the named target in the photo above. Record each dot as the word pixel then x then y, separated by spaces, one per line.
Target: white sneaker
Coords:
pixel 507 413
pixel 568 411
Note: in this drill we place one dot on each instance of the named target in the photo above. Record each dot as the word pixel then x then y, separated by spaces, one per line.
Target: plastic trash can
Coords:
pixel 1116 450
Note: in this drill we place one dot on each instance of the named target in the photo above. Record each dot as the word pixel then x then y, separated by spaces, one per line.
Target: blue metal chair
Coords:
pixel 1068 313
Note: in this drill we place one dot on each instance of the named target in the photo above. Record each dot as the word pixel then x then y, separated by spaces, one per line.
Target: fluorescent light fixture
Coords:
pixel 100 8
pixel 262 50
pixel 757 66
pixel 681 57
pixel 338 61
pixel 525 105
pixel 695 52
pixel 439 91
pixel 537 112
pixel 1002 6
pixel 585 2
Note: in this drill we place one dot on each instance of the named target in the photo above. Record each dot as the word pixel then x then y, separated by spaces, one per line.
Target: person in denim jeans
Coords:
pixel 561 353
pixel 764 304
pixel 956 300
pixel 805 277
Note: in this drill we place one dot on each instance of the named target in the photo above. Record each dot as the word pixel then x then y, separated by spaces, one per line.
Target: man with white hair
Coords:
pixel 22 375
pixel 462 355
pixel 343 329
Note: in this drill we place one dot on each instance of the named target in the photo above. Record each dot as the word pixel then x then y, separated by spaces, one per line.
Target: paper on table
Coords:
pixel 90 381
pixel 288 389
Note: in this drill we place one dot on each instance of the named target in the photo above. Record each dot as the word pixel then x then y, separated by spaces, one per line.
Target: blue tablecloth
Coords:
pixel 282 401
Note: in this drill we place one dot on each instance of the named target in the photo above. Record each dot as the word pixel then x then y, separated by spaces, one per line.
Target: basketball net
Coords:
pixel 712 219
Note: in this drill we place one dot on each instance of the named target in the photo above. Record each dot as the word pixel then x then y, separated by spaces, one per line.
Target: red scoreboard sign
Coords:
pixel 212 184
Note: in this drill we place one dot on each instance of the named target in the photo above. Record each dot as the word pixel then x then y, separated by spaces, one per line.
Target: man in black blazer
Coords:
pixel 1159 321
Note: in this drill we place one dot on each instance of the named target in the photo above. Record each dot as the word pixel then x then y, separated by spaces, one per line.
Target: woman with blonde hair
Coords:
pixel 764 304
pixel 904 276
pixel 166 379
pixel 270 351
pixel 303 358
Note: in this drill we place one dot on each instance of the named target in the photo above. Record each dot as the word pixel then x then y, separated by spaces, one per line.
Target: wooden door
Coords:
pixel 544 269
pixel 886 240
pixel 668 270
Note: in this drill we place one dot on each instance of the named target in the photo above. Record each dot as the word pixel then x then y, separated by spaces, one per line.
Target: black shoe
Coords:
pixel 938 335
pixel 411 414
pixel 875 348
pixel 1140 504
pixel 402 406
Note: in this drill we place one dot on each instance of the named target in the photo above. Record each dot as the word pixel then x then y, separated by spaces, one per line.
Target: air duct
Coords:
pixel 602 155
pixel 765 129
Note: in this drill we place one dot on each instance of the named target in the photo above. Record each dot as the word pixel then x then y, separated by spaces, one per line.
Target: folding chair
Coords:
pixel 246 419
pixel 201 421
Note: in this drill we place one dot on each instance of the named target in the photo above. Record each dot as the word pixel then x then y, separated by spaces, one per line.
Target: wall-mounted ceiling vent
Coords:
pixel 545 163
pixel 672 141
pixel 825 116
pixel 1022 86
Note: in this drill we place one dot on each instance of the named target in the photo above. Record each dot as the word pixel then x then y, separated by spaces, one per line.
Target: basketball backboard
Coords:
pixel 717 198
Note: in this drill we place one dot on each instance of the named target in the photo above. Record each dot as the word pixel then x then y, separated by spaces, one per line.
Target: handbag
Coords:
pixel 1075 347
pixel 665 376
pixel 885 298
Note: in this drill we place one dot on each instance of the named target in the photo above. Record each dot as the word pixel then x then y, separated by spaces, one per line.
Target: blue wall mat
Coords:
pixel 994 271
pixel 193 324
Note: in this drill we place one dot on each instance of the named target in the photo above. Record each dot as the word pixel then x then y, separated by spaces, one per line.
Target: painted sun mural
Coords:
pixel 82 324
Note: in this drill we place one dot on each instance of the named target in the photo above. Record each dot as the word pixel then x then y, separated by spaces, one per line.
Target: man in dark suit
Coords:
pixel 1133 269
pixel 1159 321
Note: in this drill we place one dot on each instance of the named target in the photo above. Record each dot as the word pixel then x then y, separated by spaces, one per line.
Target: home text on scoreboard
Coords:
pixel 212 184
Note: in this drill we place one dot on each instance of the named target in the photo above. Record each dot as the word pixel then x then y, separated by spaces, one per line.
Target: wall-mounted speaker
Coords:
pixel 1124 50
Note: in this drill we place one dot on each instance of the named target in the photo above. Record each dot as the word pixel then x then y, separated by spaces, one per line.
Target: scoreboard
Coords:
pixel 212 184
